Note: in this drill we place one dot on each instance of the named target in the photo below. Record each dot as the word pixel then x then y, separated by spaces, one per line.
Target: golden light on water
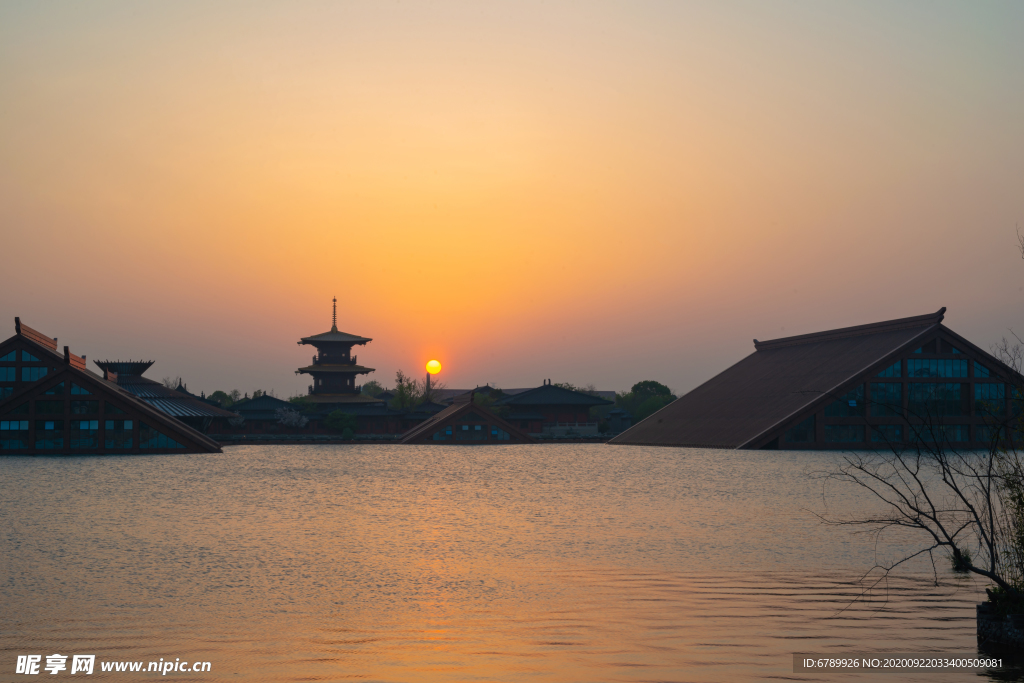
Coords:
pixel 433 367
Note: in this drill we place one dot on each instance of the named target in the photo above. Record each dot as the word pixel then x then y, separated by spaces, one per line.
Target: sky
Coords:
pixel 591 192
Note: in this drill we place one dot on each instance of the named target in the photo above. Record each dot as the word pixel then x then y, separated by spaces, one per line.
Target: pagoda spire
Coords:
pixel 334 316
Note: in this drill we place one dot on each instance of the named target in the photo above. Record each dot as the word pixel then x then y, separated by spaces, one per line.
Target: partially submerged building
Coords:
pixel 51 404
pixel 178 403
pixel 551 410
pixel 465 423
pixel 869 386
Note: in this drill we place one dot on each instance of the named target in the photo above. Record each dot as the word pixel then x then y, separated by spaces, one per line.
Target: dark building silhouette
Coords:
pixel 334 369
pixel 869 386
pixel 50 404
pixel 618 421
pixel 464 423
pixel 551 410
pixel 178 403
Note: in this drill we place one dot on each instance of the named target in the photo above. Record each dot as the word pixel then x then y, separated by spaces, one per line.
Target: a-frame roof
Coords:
pixel 781 379
pixel 461 406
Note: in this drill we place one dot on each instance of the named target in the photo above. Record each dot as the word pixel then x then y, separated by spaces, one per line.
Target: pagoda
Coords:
pixel 334 368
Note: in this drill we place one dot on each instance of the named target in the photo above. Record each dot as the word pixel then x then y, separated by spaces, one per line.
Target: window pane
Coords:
pixel 801 433
pixel 894 370
pixel 886 399
pixel 918 367
pixel 849 405
pixel 55 390
pixel 28 357
pixel 844 433
pixel 939 433
pixel 151 438
pixel 49 434
pixel 980 370
pixel 934 399
pixel 13 434
pixel 9 374
pixel 85 434
pixel 887 433
pixel 75 389
pixel 989 399
pixel 118 433
pixel 33 374
pixel 9 356
pixel 50 407
pixel 85 407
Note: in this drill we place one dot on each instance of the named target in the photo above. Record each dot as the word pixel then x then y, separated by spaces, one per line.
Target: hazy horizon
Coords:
pixel 600 194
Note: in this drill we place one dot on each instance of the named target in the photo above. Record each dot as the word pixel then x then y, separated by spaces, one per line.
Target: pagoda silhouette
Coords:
pixel 334 368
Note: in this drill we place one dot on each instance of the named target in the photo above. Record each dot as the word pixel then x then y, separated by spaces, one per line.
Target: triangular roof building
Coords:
pixel 466 423
pixel 52 405
pixel 857 387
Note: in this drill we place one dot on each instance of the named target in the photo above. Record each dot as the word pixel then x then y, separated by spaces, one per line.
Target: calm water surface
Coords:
pixel 501 563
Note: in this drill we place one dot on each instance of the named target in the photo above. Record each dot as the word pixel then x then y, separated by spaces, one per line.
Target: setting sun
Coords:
pixel 433 367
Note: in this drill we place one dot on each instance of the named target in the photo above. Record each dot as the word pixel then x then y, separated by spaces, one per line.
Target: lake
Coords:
pixel 573 562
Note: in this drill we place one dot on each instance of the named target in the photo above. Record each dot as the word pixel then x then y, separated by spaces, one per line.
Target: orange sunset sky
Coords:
pixel 591 192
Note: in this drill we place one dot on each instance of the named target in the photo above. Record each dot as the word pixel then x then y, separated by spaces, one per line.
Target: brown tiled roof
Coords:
pixel 35 335
pixel 782 378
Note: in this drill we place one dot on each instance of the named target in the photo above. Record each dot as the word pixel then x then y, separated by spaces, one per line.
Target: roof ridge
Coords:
pixel 857 330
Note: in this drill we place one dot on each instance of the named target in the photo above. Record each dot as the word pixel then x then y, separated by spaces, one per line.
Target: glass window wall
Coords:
pixel 849 405
pixel 85 434
pixel 894 370
pixel 118 433
pixel 13 434
pixel 801 433
pixel 886 399
pixel 49 434
pixel 151 438
pixel 844 433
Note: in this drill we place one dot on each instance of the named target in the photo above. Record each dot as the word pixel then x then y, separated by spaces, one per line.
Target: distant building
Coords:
pixel 178 403
pixel 464 423
pixel 550 410
pixel 50 404
pixel 869 386
pixel 618 421
pixel 334 369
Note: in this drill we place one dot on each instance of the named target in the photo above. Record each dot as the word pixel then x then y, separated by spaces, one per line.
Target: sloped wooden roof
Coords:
pixel 551 395
pixel 336 337
pixel 462 405
pixel 335 368
pixel 342 398
pixel 782 378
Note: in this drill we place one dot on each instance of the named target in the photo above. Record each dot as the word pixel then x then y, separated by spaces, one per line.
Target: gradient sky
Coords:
pixel 591 192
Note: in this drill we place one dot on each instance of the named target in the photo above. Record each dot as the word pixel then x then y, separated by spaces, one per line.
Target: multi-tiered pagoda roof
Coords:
pixel 334 369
